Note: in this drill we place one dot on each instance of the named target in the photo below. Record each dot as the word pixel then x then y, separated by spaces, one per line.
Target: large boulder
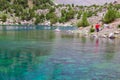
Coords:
pixel 111 35
pixel 116 32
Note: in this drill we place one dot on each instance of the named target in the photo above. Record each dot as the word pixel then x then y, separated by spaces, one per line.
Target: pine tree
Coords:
pixel 83 22
pixel 110 15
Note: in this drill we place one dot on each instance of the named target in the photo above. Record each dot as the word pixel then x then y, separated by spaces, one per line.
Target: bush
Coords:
pixel 62 20
pixel 50 15
pixel 118 26
pixel 4 18
pixel 53 20
pixel 51 10
pixel 92 30
pixel 117 14
pixel 117 6
pixel 67 15
pixel 39 19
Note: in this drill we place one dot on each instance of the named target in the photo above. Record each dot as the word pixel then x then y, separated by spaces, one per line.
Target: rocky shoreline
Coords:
pixel 113 31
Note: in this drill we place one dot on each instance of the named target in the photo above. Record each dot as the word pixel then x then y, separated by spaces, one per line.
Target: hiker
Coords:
pixel 97 26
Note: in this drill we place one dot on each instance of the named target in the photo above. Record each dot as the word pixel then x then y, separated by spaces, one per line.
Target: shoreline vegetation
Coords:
pixel 46 12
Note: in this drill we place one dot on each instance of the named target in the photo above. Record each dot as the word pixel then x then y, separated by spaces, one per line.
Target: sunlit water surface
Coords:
pixel 50 55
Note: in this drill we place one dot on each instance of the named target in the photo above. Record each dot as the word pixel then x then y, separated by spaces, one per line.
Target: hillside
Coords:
pixel 18 11
pixel 45 12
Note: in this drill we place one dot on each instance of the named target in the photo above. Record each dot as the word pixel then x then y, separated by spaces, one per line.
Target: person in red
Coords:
pixel 97 26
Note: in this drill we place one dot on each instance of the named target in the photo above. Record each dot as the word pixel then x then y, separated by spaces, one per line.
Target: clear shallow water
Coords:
pixel 49 55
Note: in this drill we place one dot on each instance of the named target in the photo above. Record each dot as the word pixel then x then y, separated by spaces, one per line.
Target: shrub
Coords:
pixel 117 14
pixel 118 26
pixel 53 20
pixel 92 30
pixel 4 18
pixel 62 20
pixel 50 15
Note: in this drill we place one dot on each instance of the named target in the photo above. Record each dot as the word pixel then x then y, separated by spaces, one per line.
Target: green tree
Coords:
pixel 79 14
pixel 51 9
pixel 89 13
pixel 117 14
pixel 53 20
pixel 4 18
pixel 83 22
pixel 66 15
pixel 50 15
pixel 70 14
pixel 39 19
pixel 27 14
pixel 110 15
pixel 62 19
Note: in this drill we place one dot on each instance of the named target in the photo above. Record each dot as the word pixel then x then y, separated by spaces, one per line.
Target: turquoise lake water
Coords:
pixel 50 55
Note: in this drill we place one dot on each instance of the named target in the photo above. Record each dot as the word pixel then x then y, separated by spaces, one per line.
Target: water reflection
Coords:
pixel 46 55
pixel 83 39
pixel 110 49
pixel 27 35
pixel 96 45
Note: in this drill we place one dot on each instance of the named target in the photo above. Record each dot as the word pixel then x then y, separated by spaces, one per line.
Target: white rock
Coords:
pixel 116 32
pixel 57 30
pixel 111 35
pixel 103 36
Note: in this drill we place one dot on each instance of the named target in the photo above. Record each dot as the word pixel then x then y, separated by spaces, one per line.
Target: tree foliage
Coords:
pixel 66 15
pixel 79 14
pixel 83 22
pixel 52 17
pixel 3 18
pixel 110 15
